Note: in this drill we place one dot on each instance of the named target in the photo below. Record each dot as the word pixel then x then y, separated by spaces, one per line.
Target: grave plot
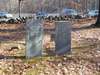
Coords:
pixel 38 39
pixel 42 39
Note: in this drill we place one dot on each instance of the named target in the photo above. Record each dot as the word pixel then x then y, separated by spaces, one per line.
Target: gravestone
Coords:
pixel 34 38
pixel 62 37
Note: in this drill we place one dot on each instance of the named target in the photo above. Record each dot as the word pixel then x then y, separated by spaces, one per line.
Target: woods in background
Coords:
pixel 30 6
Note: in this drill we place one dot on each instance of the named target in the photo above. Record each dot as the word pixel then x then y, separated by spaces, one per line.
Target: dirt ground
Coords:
pixel 83 60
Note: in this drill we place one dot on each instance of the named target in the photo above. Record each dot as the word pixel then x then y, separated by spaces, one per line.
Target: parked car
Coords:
pixel 82 15
pixel 4 17
pixel 5 14
pixel 41 15
pixel 71 13
pixel 93 13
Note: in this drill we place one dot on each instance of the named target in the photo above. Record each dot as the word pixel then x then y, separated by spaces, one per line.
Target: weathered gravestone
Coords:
pixel 62 37
pixel 34 38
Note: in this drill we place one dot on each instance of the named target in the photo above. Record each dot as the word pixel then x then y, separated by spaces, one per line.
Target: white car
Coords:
pixel 69 12
pixel 93 13
pixel 4 16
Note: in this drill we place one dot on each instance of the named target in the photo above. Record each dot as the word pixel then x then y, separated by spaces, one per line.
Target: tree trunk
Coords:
pixel 97 24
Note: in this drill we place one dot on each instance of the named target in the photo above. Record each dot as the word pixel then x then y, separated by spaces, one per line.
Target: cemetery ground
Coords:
pixel 83 60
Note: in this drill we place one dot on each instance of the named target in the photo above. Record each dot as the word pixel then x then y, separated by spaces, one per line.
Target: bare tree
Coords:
pixel 97 24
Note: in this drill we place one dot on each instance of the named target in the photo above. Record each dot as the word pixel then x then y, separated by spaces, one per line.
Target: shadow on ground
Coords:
pixel 12 57
pixel 84 28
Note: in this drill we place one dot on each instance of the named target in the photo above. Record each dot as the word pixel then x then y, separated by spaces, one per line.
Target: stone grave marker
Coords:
pixel 34 38
pixel 62 37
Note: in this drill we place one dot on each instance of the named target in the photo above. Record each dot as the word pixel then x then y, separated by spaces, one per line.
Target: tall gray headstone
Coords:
pixel 62 37
pixel 34 38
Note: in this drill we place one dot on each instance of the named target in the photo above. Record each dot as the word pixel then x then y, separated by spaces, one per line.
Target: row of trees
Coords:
pixel 47 5
pixel 97 24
